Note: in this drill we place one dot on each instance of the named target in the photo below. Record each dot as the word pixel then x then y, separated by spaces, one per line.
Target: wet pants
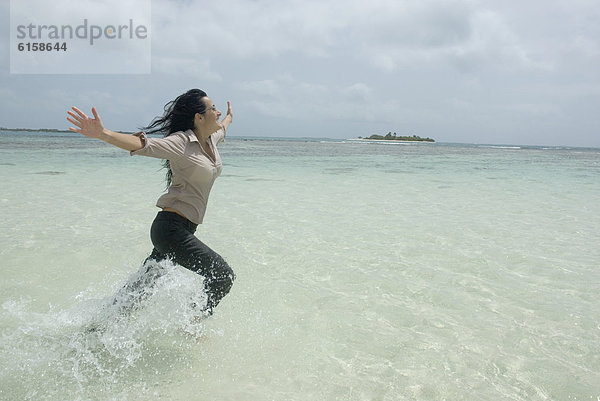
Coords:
pixel 173 237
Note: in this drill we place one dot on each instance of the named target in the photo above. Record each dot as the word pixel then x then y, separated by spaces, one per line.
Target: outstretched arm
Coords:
pixel 93 128
pixel 229 117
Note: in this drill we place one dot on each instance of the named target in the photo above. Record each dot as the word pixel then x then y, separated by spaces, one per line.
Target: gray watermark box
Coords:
pixel 82 37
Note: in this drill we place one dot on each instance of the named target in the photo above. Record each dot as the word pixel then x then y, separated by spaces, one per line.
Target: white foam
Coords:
pixel 100 340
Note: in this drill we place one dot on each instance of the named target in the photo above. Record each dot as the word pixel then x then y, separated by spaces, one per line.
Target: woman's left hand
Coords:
pixel 228 117
pixel 229 110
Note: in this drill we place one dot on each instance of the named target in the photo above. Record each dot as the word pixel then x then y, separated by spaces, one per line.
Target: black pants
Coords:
pixel 173 237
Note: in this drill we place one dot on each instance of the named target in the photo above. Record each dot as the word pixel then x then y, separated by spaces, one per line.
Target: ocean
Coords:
pixel 365 271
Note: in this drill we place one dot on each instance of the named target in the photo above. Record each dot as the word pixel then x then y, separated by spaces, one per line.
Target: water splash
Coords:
pixel 104 343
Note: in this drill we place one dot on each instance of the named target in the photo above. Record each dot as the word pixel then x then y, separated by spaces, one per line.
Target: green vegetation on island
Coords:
pixel 33 129
pixel 51 130
pixel 393 137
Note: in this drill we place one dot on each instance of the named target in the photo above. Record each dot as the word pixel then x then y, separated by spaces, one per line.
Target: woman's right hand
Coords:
pixel 90 127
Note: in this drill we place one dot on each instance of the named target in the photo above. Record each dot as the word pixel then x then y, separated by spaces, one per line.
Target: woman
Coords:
pixel 191 129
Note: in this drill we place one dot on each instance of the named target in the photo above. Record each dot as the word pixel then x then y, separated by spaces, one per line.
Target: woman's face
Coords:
pixel 210 118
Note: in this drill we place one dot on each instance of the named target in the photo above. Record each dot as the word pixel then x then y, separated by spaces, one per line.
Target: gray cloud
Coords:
pixel 458 70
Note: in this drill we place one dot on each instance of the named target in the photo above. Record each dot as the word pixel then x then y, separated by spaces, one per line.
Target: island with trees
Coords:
pixel 47 130
pixel 394 137
pixel 33 129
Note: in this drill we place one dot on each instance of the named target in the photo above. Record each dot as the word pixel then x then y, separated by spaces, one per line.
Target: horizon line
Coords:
pixel 55 130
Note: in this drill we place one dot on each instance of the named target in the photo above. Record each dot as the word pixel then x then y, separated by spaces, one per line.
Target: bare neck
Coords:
pixel 202 136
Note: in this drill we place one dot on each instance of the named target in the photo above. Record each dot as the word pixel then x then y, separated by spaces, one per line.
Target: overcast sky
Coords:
pixel 503 72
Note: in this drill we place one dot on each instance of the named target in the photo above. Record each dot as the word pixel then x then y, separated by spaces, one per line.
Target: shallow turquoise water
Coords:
pixel 364 272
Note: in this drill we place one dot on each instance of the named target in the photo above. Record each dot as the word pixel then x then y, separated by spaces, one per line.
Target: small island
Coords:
pixel 393 137
pixel 33 129
pixel 48 130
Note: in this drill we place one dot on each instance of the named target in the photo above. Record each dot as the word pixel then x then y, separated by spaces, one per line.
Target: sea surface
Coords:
pixel 365 271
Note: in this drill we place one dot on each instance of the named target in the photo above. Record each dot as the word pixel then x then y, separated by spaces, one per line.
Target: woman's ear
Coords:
pixel 198 119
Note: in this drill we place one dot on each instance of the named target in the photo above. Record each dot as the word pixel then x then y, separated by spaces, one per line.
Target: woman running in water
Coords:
pixel 192 130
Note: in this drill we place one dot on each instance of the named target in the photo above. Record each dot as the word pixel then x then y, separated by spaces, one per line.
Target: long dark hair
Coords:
pixel 178 116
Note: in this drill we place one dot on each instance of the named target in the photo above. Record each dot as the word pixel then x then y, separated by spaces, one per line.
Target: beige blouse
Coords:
pixel 194 172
